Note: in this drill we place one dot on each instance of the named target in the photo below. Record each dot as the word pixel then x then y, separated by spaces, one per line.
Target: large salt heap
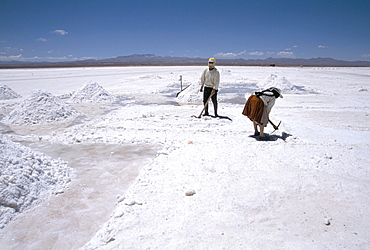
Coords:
pixel 91 92
pixel 26 178
pixel 7 93
pixel 190 95
pixel 277 81
pixel 40 108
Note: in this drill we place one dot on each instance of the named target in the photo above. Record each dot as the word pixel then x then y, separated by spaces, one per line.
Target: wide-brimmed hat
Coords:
pixel 277 90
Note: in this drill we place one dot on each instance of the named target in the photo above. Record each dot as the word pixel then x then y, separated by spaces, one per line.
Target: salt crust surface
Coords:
pixel 292 191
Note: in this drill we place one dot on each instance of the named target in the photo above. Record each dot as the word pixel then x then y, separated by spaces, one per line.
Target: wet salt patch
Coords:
pixel 234 99
pixel 7 93
pixel 40 108
pixel 5 129
pixel 230 93
pixel 27 178
pixel 123 100
pixel 79 120
pixel 91 92
pixel 67 221
pixel 235 93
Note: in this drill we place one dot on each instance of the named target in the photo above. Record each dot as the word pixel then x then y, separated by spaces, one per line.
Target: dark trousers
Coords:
pixel 206 93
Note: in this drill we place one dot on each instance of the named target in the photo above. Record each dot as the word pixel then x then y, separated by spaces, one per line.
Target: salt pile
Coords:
pixel 26 178
pixel 362 89
pixel 91 92
pixel 7 93
pixel 277 81
pixel 190 95
pixel 40 108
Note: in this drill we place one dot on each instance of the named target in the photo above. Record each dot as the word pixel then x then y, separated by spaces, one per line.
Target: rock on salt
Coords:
pixel 190 192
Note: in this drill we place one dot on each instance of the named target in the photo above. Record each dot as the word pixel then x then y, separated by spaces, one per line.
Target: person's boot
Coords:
pixel 215 107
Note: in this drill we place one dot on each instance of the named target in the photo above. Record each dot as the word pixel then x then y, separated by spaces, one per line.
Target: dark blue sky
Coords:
pixel 78 29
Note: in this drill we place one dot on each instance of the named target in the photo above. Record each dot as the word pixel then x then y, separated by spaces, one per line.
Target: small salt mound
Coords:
pixel 40 108
pixel 91 92
pixel 279 82
pixel 7 93
pixel 362 89
pixel 27 178
pixel 190 95
pixel 226 72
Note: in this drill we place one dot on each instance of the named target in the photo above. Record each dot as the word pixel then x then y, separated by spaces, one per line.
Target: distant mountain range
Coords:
pixel 151 59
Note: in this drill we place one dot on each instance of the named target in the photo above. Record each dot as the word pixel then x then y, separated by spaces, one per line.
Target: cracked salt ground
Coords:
pixel 69 220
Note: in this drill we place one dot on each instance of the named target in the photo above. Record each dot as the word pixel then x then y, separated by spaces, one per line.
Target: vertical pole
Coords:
pixel 180 82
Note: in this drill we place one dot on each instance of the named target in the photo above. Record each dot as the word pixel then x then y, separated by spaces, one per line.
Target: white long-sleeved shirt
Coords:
pixel 268 101
pixel 210 78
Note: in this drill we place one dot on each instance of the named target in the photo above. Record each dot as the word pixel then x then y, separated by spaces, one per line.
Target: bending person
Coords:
pixel 258 108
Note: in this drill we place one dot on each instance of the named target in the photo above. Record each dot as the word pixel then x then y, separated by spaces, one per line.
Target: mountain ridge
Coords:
pixel 154 60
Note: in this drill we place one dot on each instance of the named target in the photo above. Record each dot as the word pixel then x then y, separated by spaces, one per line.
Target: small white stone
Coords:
pixel 118 213
pixel 327 221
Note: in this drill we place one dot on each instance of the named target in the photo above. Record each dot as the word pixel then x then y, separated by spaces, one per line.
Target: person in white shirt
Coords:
pixel 258 108
pixel 210 81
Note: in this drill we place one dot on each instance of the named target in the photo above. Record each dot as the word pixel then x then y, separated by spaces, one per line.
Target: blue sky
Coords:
pixel 54 30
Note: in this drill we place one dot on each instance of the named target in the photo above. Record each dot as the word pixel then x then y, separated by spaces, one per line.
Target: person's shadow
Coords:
pixel 283 137
pixel 223 117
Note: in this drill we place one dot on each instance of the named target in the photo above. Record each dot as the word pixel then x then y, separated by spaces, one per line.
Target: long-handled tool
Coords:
pixel 205 106
pixel 182 89
pixel 275 127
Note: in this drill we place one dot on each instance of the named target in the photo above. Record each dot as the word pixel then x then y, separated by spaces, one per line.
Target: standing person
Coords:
pixel 258 108
pixel 210 80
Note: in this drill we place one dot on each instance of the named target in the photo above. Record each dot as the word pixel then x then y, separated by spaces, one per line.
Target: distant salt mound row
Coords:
pixel 279 82
pixel 40 108
pixel 190 95
pixel 91 92
pixel 7 93
pixel 27 178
